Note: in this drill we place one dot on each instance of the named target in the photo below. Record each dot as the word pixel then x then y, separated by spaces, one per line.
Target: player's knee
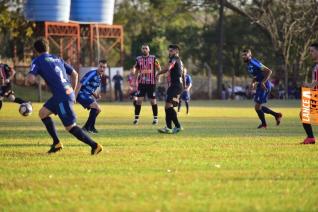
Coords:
pixel 153 102
pixel 139 102
pixel 257 107
pixel 11 98
pixel 68 128
pixel 98 109
pixel 42 113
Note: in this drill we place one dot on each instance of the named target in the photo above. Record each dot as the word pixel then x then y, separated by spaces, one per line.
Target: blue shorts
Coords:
pixel 63 108
pixel 185 96
pixel 85 100
pixel 261 95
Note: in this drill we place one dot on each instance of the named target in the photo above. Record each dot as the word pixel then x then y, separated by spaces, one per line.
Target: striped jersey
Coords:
pixel 147 69
pixel 90 82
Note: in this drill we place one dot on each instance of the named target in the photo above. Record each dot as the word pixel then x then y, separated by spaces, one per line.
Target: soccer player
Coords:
pixel 86 94
pixel 174 69
pixel 6 76
pixel 313 49
pixel 133 86
pixel 185 96
pixel 54 71
pixel 146 67
pixel 260 75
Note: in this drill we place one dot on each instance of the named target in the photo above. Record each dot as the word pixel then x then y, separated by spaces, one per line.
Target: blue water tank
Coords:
pixel 96 11
pixel 47 10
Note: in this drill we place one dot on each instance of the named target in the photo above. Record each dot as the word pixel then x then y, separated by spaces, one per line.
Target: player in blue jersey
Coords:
pixel 86 94
pixel 56 74
pixel 260 75
pixel 185 95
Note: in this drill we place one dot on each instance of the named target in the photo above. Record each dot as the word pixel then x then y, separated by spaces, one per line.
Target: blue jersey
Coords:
pixel 55 73
pixel 254 68
pixel 188 80
pixel 90 82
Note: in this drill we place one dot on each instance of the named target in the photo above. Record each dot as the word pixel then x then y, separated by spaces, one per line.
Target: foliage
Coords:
pixel 14 29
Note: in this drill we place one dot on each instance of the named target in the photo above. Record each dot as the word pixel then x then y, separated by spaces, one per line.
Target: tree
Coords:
pixel 289 23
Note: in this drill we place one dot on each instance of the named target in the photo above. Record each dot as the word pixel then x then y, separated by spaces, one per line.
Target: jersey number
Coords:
pixel 59 70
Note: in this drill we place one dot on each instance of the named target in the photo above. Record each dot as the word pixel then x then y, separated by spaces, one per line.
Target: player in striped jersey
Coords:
pixel 307 127
pixel 6 76
pixel 146 67
pixel 260 75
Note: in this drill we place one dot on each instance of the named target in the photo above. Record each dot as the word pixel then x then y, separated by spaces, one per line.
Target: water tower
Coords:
pixel 73 27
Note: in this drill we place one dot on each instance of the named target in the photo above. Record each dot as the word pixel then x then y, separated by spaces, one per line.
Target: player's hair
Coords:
pixel 174 46
pixel 41 45
pixel 315 45
pixel 246 50
pixel 103 61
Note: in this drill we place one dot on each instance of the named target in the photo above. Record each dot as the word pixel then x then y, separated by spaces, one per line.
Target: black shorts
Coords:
pixel 150 90
pixel 6 90
pixel 173 94
pixel 132 94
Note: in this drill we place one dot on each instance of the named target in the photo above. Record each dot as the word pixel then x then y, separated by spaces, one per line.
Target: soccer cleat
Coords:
pixel 309 141
pixel 97 149
pixel 136 121
pixel 155 122
pixel 93 130
pixel 278 118
pixel 165 130
pixel 55 148
pixel 262 126
pixel 176 129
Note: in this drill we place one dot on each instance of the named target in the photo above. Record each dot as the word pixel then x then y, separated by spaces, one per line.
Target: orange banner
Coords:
pixel 309 106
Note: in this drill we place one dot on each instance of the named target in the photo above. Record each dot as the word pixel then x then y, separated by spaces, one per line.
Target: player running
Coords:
pixel 86 94
pixel 146 67
pixel 174 68
pixel 54 71
pixel 313 49
pixel 6 76
pixel 185 96
pixel 260 75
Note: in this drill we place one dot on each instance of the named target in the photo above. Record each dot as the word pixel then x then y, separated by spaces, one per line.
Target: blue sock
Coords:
pixel 269 111
pixel 50 127
pixel 80 135
pixel 261 116
pixel 308 130
pixel 91 119
pixel 168 118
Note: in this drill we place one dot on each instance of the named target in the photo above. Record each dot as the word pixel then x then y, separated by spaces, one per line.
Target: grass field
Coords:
pixel 219 163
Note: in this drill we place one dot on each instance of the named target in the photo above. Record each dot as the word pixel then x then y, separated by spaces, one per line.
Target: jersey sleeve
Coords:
pixel 68 68
pixel 34 69
pixel 189 80
pixel 257 64
pixel 172 63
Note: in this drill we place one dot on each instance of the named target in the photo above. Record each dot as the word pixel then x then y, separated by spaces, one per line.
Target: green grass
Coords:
pixel 219 163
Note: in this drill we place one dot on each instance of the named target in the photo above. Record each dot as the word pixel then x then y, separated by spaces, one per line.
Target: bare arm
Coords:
pixel 267 72
pixel 78 88
pixel 12 73
pixel 74 79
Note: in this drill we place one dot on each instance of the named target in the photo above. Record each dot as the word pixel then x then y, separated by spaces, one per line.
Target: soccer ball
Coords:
pixel 25 109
